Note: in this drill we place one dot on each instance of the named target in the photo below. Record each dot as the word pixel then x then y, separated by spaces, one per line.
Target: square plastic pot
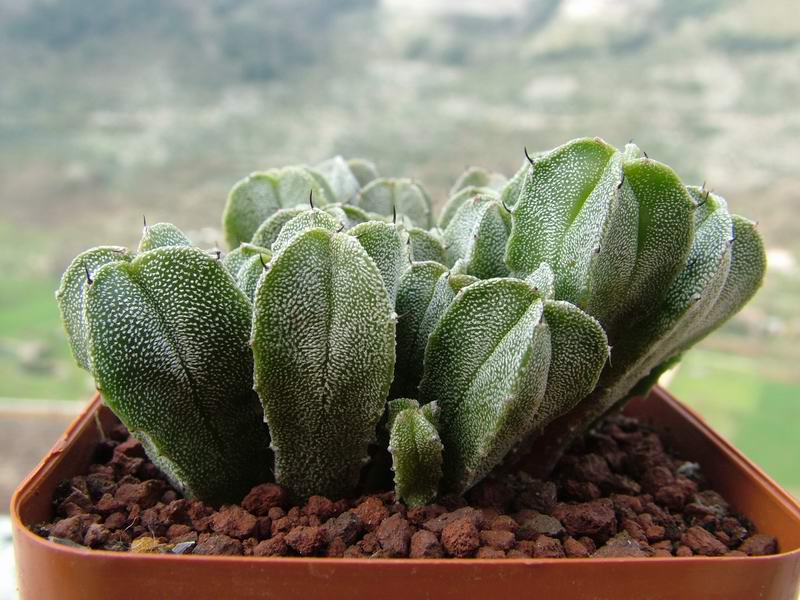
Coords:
pixel 51 571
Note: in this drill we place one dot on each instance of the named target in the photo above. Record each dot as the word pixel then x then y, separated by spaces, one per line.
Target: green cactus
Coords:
pixel 308 219
pixel 168 344
pixel 478 234
pixel 388 246
pixel 458 199
pixel 647 257
pixel 323 343
pixel 363 170
pixel 341 180
pixel 487 364
pixel 257 196
pixel 268 231
pixel 348 214
pixel 424 293
pixel 71 295
pixel 510 192
pixel 426 245
pixel 234 259
pixel 614 228
pixel 162 234
pixel 249 274
pixel 585 249
pixel 416 451
pixel 479 178
pixel 403 196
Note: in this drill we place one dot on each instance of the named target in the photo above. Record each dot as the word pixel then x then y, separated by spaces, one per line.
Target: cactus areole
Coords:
pixel 342 326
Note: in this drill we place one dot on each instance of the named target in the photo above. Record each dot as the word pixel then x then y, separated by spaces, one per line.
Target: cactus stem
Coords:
pixel 528 156
pixel 89 279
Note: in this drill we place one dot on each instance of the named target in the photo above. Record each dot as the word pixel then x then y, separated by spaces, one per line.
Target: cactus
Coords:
pixel 416 450
pixel 646 256
pixel 162 234
pixel 479 178
pixel 168 344
pixel 539 304
pixel 234 259
pixel 323 343
pixel 270 228
pixel 510 192
pixel 487 364
pixel 424 293
pixel 387 245
pixel 363 170
pixel 71 295
pixel 348 214
pixel 340 179
pixel 249 274
pixel 259 195
pixel 426 245
pixel 308 219
pixel 477 234
pixel 458 199
pixel 403 196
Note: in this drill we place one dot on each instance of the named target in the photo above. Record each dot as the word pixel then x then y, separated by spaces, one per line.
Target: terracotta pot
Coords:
pixel 47 570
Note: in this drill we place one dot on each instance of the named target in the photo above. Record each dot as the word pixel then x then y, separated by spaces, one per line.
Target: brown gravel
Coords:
pixel 617 494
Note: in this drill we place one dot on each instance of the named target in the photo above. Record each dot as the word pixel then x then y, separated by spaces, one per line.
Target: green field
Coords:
pixel 759 415
pixel 109 110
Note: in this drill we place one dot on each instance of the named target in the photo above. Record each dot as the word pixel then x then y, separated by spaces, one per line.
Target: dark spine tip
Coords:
pixel 645 154
pixel 341 228
pixel 218 252
pixel 528 156
pixel 394 214
pixel 621 181
pixel 503 202
pixel 261 258
pixel 89 279
pixel 311 198
pixel 144 222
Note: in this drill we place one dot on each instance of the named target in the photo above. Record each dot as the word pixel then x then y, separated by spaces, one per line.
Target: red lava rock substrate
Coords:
pixel 617 494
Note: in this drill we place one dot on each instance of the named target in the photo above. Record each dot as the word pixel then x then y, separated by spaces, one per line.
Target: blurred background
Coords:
pixel 110 109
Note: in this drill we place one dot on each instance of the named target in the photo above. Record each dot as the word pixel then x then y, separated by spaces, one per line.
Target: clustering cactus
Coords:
pixel 537 304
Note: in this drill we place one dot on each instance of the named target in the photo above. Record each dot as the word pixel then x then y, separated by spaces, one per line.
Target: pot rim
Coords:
pixel 87 418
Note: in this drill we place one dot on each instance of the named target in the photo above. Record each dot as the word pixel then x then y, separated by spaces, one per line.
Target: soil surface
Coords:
pixel 617 494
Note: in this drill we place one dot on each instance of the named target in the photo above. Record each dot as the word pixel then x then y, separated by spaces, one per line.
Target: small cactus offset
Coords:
pixel 536 305
pixel 416 450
